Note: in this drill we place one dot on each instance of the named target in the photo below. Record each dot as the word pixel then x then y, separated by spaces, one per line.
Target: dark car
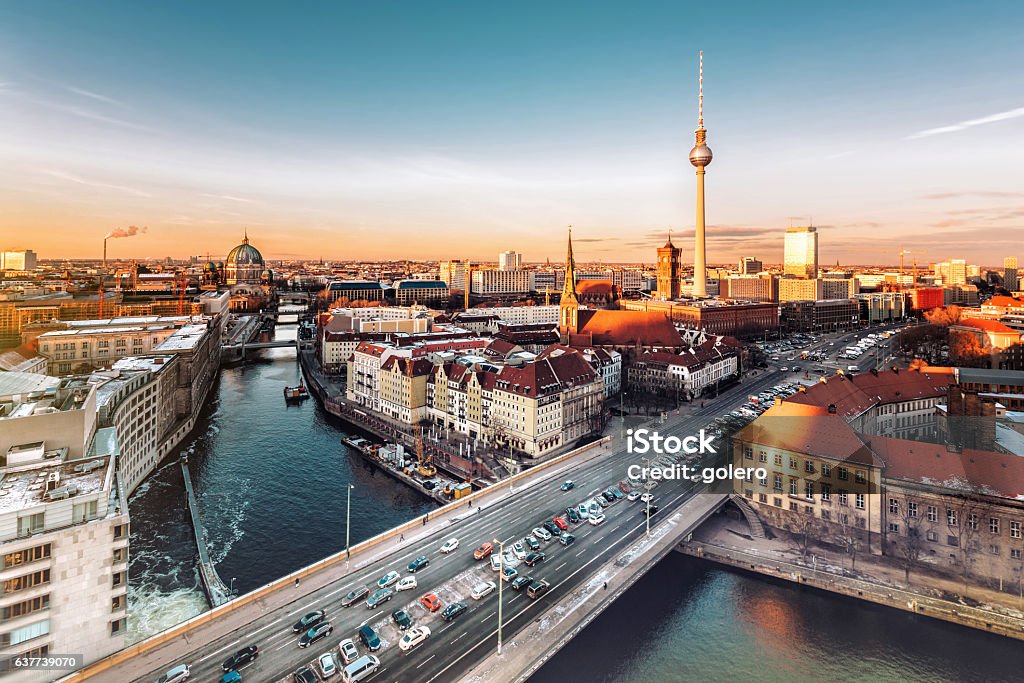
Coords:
pixel 308 621
pixel 566 539
pixel 321 630
pixel 305 675
pixel 552 527
pixel 241 658
pixel 453 610
pixel 619 495
pixel 609 496
pixel 568 485
pixel 418 564
pixel 520 581
pixel 379 597
pixel 533 543
pixel 573 515
pixel 652 508
pixel 401 619
pixel 534 558
pixel 369 637
pixel 354 596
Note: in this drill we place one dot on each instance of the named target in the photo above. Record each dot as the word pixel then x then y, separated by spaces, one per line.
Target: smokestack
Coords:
pixel 117 233
pixel 104 254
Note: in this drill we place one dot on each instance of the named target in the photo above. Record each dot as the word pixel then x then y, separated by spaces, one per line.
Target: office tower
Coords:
pixel 510 260
pixel 750 265
pixel 1010 273
pixel 700 157
pixel 19 259
pixel 801 252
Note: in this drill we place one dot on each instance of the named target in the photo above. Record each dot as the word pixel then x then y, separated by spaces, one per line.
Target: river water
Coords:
pixel 271 481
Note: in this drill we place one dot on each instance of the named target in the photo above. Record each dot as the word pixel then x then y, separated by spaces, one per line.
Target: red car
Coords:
pixel 561 523
pixel 431 602
pixel 624 486
pixel 483 551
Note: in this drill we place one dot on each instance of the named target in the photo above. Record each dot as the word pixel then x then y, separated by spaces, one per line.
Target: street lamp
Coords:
pixel 348 517
pixel 501 580
pixel 647 490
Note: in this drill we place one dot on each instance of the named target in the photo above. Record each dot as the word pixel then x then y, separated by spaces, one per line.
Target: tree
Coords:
pixel 909 544
pixel 848 539
pixel 945 316
pixel 963 505
pixel 965 350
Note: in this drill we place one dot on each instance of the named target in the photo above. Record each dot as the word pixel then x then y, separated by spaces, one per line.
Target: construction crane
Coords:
pixel 902 252
pixel 182 286
pixel 425 467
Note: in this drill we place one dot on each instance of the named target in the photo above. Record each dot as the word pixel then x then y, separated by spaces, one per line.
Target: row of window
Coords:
pixel 842 473
pixel 25 581
pixel 953 517
pixel 20 609
pixel 26 556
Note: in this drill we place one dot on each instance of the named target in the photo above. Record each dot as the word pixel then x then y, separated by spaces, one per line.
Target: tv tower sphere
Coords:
pixel 700 155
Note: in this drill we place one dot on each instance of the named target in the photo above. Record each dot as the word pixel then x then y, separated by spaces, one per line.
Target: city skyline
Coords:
pixel 474 145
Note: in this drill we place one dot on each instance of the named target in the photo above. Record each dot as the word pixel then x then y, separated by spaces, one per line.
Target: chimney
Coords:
pixel 831 408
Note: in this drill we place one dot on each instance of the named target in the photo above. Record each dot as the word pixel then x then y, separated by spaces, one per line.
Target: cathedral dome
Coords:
pixel 245 254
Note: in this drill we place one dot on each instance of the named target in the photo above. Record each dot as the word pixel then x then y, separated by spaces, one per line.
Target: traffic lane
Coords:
pixel 493 518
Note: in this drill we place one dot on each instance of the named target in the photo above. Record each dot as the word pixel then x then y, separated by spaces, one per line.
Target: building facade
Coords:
pixel 801 252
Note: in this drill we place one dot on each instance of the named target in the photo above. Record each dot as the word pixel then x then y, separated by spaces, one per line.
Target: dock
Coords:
pixel 216 592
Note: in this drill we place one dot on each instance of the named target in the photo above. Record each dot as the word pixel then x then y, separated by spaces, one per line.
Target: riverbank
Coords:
pixel 726 542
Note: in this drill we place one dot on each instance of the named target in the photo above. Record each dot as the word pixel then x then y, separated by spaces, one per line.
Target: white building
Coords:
pixel 20 260
pixel 89 344
pixel 510 260
pixel 453 273
pixel 521 315
pixel 501 282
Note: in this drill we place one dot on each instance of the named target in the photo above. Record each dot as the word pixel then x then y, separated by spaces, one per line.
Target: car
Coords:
pixel 388 580
pixel 354 596
pixel 583 510
pixel 418 564
pixel 379 597
pixel 402 619
pixel 534 558
pixel 308 621
pixel 561 523
pixel 241 658
pixel 573 515
pixel 598 520
pixel 431 602
pixel 520 581
pixel 305 675
pixel 519 550
pixel 509 573
pixel 453 610
pixel 633 495
pixel 495 562
pixel 608 496
pixel 646 497
pixel 510 559
pixel 568 485
pixel 321 630
pixel 532 543
pixel 537 589
pixel 482 590
pixel 650 509
pixel 566 539
pixel 601 502
pixel 552 528
pixel 369 637
pixel 407 583
pixel 449 545
pixel 483 551
pixel 542 534
pixel 348 650
pixel 619 495
pixel 231 677
pixel 176 674
pixel 328 667
pixel 413 637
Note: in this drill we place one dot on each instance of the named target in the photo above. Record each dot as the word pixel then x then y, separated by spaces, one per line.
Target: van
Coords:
pixel 361 669
pixel 537 589
pixel 852 368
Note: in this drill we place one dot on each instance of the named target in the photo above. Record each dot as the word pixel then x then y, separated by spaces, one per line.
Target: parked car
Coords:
pixel 305 675
pixel 584 510
pixel 519 550
pixel 369 637
pixel 413 637
pixel 573 515
pixel 418 564
pixel 537 589
pixel 566 539
pixel 542 534
pixel 453 610
pixel 308 621
pixel 321 630
pixel 633 495
pixel 431 602
pixel 552 528
pixel 482 590
pixel 241 658
pixel 402 619
pixel 598 520
pixel 532 543
pixel 561 523
pixel 509 573
pixel 348 650
pixel 354 596
pixel 449 545
pixel 328 667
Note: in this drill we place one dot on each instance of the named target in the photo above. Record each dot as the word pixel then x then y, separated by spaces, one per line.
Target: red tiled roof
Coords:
pixel 811 430
pixel 982 471
pixel 1004 302
pixel 595 287
pixel 853 394
pixel 420 366
pixel 628 328
pixel 986 325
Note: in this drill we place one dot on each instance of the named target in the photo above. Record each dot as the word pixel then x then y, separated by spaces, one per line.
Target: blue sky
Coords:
pixel 350 130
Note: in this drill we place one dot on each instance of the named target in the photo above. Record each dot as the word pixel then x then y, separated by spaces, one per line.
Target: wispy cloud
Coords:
pixel 72 178
pixel 989 194
pixel 92 95
pixel 102 118
pixel 970 123
pixel 230 198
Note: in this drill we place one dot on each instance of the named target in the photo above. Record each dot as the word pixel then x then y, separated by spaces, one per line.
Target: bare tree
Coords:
pixel 963 506
pixel 848 539
pixel 910 543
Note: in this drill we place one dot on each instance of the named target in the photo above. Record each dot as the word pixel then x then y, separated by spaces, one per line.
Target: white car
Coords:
pixel 510 559
pixel 646 497
pixel 389 579
pixel 632 495
pixel 582 509
pixel 413 637
pixel 495 562
pixel 482 590
pixel 598 520
pixel 328 667
pixel 178 673
pixel 542 534
pixel 449 545
pixel 518 550
pixel 407 583
pixel 348 650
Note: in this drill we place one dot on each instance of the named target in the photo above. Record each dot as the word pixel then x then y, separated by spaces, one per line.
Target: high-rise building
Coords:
pixel 1010 273
pixel 668 271
pixel 24 259
pixel 700 157
pixel 510 260
pixel 801 252
pixel 453 273
pixel 750 265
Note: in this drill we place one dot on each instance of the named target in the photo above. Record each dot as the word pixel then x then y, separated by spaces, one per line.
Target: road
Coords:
pixel 455 647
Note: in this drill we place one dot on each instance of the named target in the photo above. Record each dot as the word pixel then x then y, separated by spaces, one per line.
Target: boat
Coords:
pixel 298 393
pixel 357 442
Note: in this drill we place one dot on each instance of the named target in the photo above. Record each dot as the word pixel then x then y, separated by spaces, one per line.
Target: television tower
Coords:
pixel 700 156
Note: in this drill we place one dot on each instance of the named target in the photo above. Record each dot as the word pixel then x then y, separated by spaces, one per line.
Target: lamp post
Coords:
pixel 501 580
pixel 647 490
pixel 348 517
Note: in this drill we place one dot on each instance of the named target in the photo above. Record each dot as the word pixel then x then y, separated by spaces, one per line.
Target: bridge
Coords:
pixel 615 554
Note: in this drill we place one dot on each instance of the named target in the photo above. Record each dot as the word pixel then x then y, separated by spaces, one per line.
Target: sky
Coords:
pixel 355 130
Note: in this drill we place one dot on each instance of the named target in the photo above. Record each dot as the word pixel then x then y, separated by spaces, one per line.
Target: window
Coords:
pixel 861 524
pixel 826 515
pixel 762 457
pixel 843 474
pixel 792 487
pixel 794 507
pixel 894 528
pixel 951 517
pixel 120 555
pixel 26 581
pixel 34 554
pixel 809 490
pixel 20 635
pixel 762 497
pixel 994 549
pixel 777 482
pixel 972 522
pixel 1015 553
pixel 894 506
pixel 118 626
pixel 778 459
pixel 120 531
pixel 953 541
pixel 861 477
pixel 993 525
pixel 933 513
pixel 83 512
pixel 24 607
pixel 793 464
pixel 826 469
pixel 809 467
pixel 912 508
pixel 119 578
pixel 777 502
pixel 1014 529
pixel 860 501
pixel 763 481
pixel 826 492
pixel 30 524
pixel 842 498
pixel 116 603
pixel 931 536
pixel 748 453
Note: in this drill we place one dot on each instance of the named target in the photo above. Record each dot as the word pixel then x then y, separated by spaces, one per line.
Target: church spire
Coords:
pixel 569 289
pixel 245 235
pixel 568 308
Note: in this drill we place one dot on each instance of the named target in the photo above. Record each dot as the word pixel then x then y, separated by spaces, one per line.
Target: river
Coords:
pixel 271 481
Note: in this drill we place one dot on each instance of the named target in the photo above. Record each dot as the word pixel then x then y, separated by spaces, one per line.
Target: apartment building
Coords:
pixel 88 344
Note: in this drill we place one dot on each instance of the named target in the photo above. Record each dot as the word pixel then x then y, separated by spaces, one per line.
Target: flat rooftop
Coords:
pixel 26 487
pixel 185 339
